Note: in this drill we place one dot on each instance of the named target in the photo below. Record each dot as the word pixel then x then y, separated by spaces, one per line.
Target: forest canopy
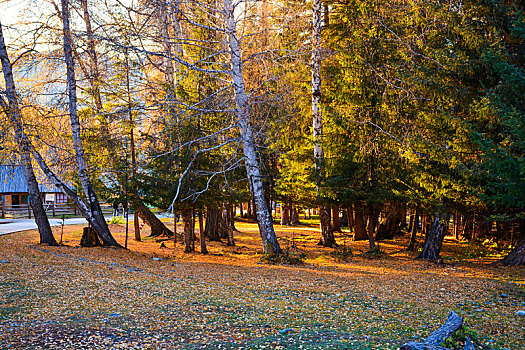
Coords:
pixel 395 117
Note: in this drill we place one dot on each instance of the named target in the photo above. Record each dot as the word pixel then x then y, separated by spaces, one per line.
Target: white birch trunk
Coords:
pixel 13 112
pixel 101 226
pixel 327 235
pixel 264 219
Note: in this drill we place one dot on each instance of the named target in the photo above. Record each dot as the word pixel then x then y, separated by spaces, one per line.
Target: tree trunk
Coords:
pixel 473 233
pixel 157 227
pixel 517 255
pixel 13 112
pixel 415 228
pixel 136 226
pixel 327 234
pixel 175 218
pixel 232 222
pixel 95 82
pixel 243 111
pixel 373 217
pixel 285 214
pixel 100 226
pixel 350 215
pixel 434 238
pixel 84 209
pixel 202 235
pixel 391 226
pixel 193 235
pixel 227 224
pixel 335 219
pixel 294 219
pixel 359 228
pixel 187 221
pixel 213 224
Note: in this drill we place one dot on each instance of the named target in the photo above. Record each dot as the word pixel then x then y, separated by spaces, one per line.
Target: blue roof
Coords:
pixel 12 180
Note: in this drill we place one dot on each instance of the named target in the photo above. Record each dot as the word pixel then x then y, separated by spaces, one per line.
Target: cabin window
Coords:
pixel 24 199
pixel 61 198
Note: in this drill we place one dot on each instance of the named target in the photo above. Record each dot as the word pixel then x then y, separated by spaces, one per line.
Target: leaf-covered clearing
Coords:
pixel 79 298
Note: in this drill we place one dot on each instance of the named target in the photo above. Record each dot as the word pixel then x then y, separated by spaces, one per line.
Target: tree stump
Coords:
pixel 89 238
pixel 434 239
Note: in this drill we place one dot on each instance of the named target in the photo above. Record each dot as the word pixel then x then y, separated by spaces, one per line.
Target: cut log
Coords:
pixel 451 326
pixel 89 238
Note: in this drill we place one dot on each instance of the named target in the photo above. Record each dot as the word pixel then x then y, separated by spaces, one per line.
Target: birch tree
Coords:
pixel 97 217
pixel 327 234
pixel 222 62
pixel 12 109
pixel 242 110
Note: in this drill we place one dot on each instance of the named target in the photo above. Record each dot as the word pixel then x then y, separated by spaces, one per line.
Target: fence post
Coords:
pixel 54 209
pixel 29 210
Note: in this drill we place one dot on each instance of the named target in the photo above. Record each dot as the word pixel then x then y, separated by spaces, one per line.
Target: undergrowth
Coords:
pixel 342 253
pixel 289 256
pixel 117 220
pixel 375 253
pixel 458 339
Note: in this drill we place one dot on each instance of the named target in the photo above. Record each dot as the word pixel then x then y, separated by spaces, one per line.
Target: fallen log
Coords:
pixel 433 342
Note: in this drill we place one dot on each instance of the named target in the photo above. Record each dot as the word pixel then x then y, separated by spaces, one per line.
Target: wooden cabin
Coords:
pixel 14 193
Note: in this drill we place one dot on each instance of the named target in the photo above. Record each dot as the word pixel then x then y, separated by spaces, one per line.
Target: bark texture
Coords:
pixel 359 225
pixel 336 222
pixel 188 236
pixel 262 213
pixel 13 112
pixel 89 238
pixel 327 232
pixel 414 229
pixel 434 238
pixel 213 224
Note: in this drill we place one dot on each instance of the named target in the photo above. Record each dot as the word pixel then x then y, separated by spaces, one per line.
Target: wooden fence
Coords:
pixel 23 211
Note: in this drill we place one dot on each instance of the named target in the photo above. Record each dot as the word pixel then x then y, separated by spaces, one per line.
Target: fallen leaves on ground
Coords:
pixel 149 297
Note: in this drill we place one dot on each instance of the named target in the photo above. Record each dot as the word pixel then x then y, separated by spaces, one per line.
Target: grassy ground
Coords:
pixel 160 298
